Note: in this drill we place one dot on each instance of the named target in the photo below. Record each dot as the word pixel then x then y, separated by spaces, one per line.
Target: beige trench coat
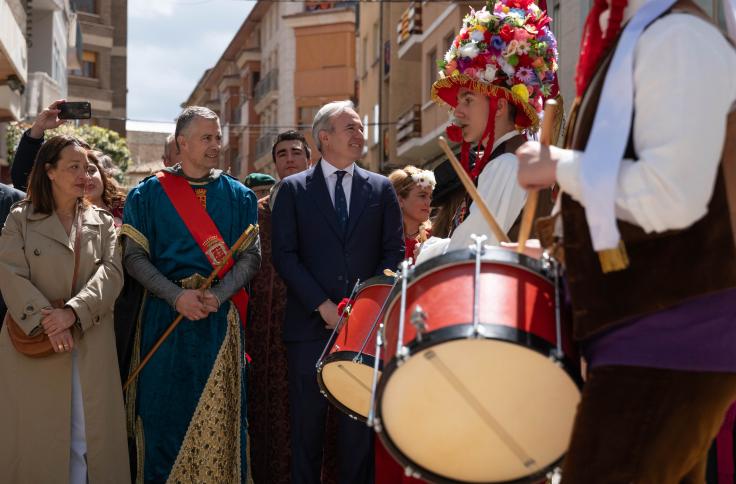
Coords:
pixel 36 266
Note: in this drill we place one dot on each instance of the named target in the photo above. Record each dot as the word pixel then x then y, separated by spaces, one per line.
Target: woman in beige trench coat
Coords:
pixel 69 403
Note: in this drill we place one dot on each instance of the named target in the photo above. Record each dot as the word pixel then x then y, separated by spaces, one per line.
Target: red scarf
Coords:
pixel 594 44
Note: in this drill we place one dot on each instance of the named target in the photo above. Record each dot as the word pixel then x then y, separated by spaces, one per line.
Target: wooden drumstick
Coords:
pixel 530 207
pixel 473 191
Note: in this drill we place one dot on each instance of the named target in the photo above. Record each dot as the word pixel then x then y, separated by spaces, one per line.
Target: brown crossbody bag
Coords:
pixel 39 345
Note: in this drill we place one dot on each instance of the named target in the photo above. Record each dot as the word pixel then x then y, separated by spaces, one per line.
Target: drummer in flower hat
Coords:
pixel 496 75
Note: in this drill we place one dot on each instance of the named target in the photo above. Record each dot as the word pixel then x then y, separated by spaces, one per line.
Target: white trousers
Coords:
pixel 78 460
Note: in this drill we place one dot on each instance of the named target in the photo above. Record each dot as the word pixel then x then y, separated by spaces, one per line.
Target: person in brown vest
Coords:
pixel 648 239
pixel 495 77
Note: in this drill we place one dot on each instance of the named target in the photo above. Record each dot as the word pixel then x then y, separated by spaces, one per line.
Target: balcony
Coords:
pixel 263 147
pixel 409 32
pixel 266 90
pixel 13 58
pixel 409 125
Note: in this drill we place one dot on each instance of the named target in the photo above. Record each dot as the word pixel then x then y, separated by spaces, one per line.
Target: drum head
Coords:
pixel 477 410
pixel 347 384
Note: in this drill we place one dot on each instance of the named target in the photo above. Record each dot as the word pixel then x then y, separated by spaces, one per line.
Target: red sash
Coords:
pixel 202 229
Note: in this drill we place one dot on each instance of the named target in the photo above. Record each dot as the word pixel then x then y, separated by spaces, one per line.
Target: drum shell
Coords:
pixel 516 310
pixel 363 313
pixel 519 297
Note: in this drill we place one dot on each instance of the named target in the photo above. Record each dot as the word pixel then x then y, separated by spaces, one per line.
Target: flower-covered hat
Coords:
pixel 507 51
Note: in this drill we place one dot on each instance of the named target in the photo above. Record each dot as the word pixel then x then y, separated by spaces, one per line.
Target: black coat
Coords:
pixel 8 196
pixel 23 161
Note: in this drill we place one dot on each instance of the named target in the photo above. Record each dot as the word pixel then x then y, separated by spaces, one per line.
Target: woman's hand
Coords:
pixel 55 321
pixel 47 119
pixel 62 341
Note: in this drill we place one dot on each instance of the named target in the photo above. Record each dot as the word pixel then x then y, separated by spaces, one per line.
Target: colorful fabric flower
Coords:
pixel 521 91
pixel 469 50
pixel 510 47
pixel 525 74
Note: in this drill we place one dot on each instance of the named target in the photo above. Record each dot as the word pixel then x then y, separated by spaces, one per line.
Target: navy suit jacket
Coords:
pixel 315 259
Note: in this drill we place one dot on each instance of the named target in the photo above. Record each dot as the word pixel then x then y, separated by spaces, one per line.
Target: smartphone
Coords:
pixel 75 110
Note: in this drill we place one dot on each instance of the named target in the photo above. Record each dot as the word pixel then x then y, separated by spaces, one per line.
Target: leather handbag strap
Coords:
pixel 77 241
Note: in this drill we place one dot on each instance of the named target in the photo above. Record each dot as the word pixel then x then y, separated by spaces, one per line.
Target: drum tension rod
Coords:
pixel 419 321
pixel 478 249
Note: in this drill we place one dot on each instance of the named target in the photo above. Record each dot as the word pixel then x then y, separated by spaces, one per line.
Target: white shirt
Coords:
pixel 498 187
pixel 685 78
pixel 331 178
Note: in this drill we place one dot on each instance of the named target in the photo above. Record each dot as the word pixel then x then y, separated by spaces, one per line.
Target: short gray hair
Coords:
pixel 187 116
pixel 323 118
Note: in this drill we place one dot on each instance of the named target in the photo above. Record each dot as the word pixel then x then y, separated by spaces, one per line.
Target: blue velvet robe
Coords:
pixel 190 401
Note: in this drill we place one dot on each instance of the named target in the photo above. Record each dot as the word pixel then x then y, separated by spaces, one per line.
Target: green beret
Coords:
pixel 258 180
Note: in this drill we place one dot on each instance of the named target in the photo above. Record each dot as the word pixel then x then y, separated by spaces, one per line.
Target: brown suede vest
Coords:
pixel 665 268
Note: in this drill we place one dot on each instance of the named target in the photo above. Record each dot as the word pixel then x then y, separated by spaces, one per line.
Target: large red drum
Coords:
pixel 345 375
pixel 494 402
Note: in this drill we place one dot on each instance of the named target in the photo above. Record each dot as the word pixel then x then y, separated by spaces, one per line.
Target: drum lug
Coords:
pixel 410 472
pixel 556 356
pixel 403 355
pixel 377 425
pixel 554 476
pixel 419 321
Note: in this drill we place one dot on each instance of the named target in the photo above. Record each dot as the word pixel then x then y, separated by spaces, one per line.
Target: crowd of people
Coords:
pixel 171 333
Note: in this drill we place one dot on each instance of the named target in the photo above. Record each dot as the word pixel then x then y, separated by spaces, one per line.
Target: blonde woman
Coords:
pixel 414 189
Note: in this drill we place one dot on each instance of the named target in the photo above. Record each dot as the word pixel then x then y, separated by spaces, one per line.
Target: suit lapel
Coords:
pixel 317 188
pixel 360 195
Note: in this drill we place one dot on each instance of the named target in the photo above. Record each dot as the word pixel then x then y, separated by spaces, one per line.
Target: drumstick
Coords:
pixel 530 207
pixel 473 191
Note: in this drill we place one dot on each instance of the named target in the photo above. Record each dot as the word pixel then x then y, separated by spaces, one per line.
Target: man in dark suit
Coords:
pixel 8 196
pixel 332 224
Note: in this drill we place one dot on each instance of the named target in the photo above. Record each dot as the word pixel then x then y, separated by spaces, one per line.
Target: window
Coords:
pixel 88 6
pixel 306 115
pixel 57 68
pixel 89 65
pixel 366 127
pixel 431 68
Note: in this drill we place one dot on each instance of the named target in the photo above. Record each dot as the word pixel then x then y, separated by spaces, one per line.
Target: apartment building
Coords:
pixel 398 46
pixel 275 74
pixel 52 51
pixel 101 77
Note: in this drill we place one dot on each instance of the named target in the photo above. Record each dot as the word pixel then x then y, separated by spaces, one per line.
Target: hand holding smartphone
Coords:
pixel 75 110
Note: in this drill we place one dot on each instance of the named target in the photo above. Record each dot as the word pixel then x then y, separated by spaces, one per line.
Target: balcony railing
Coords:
pixel 264 145
pixel 410 23
pixel 269 83
pixel 409 125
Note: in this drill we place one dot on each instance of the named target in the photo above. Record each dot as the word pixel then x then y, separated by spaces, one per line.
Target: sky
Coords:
pixel 170 45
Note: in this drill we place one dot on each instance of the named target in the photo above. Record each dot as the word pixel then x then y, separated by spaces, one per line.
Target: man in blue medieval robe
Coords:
pixel 187 407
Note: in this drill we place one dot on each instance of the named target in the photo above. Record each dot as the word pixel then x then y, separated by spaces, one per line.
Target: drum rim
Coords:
pixel 379 280
pixel 368 361
pixel 458 257
pixel 492 254
pixel 489 331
